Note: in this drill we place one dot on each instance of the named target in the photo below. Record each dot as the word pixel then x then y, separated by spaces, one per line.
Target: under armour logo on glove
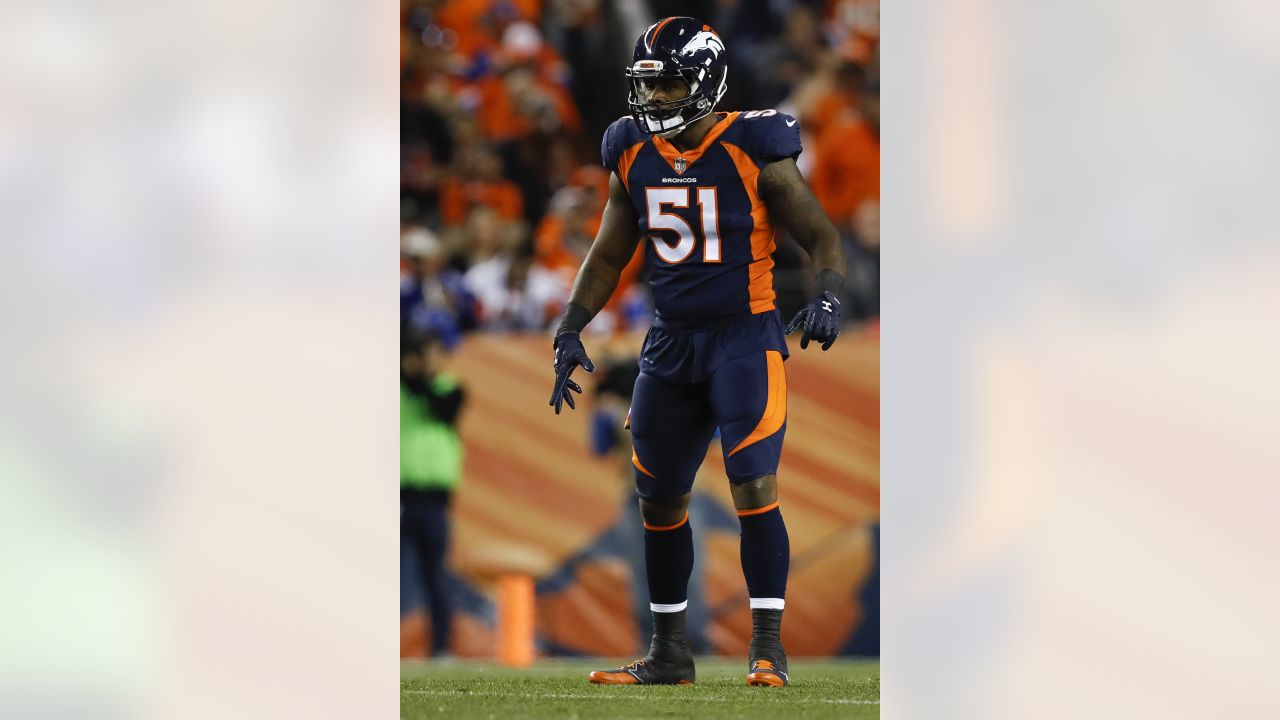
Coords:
pixel 820 321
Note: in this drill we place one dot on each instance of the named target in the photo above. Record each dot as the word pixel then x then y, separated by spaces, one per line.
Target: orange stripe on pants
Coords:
pixel 775 408
pixel 635 460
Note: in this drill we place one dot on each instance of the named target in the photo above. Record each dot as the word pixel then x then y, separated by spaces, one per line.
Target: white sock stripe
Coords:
pixel 659 607
pixel 767 603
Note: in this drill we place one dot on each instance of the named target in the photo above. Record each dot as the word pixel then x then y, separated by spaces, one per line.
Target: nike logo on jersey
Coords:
pixel 790 123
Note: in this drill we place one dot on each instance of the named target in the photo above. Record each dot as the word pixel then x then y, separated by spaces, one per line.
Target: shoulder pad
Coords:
pixel 773 135
pixel 619 136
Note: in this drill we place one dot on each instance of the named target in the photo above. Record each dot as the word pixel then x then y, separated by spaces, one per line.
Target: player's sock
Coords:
pixel 766 556
pixel 668 558
pixel 668 555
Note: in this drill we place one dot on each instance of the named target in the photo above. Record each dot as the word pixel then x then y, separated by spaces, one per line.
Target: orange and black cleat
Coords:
pixel 648 671
pixel 764 674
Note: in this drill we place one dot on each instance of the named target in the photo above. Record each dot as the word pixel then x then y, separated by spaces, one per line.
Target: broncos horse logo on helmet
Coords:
pixel 683 48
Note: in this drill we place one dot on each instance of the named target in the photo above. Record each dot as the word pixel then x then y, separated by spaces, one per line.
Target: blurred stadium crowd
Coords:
pixel 503 104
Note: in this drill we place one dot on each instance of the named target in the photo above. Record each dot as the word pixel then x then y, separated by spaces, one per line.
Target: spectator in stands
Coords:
pixel 477 24
pixel 430 468
pixel 846 165
pixel 595 40
pixel 567 230
pixel 800 53
pixel 854 25
pixel 515 293
pixel 433 298
pixel 478 180
pixel 481 237
pixel 526 94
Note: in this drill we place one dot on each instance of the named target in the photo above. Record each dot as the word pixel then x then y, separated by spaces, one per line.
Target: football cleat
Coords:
pixel 671 665
pixel 764 674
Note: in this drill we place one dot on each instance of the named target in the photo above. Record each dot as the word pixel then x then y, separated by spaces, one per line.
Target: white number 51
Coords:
pixel 708 203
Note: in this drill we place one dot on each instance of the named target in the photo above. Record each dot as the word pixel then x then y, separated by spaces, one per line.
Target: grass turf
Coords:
pixel 820 688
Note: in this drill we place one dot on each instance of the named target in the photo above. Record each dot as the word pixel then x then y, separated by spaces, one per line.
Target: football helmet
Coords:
pixel 676 48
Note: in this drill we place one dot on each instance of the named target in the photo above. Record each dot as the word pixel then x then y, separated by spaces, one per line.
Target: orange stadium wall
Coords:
pixel 535 500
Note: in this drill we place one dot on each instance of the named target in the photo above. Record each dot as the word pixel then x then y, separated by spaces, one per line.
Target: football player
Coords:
pixel 703 190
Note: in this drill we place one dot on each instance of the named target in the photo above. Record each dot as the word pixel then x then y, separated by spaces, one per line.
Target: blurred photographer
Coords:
pixel 430 468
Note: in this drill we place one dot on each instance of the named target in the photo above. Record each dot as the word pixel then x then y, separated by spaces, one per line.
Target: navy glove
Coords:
pixel 820 321
pixel 569 355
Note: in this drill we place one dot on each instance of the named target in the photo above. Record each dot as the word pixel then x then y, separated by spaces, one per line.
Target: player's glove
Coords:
pixel 569 355
pixel 820 321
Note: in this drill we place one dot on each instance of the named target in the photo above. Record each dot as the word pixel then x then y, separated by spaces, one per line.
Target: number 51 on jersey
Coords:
pixel 659 198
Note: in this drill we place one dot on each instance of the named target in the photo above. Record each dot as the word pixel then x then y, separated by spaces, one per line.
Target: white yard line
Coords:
pixel 585 696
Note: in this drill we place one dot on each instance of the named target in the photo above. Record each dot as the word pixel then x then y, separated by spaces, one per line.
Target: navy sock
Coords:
pixel 766 556
pixel 668 559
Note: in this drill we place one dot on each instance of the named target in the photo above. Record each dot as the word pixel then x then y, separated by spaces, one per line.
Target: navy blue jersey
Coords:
pixel 708 237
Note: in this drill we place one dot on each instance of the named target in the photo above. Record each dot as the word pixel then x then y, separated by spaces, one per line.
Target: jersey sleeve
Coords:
pixel 775 136
pixel 615 141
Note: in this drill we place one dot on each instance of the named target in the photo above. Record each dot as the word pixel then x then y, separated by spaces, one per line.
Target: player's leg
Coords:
pixel 749 396
pixel 671 427
pixel 413 592
pixel 435 547
pixel 766 556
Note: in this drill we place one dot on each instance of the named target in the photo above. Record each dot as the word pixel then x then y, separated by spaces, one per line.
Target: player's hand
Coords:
pixel 820 321
pixel 569 355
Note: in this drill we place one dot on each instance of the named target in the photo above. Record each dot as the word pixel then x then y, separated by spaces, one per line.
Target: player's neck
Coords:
pixel 693 135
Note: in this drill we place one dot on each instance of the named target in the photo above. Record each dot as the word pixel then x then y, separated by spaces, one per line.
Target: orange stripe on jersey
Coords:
pixel 670 152
pixel 758 511
pixel 775 408
pixel 627 157
pixel 762 244
pixel 663 528
pixel 760 285
pixel 635 459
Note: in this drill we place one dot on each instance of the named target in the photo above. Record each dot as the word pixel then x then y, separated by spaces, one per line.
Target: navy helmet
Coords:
pixel 683 48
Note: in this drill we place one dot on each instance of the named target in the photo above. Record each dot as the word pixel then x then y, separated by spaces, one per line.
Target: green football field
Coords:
pixel 820 688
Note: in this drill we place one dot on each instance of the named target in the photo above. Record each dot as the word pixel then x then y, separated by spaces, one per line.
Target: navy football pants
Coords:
pixel 672 423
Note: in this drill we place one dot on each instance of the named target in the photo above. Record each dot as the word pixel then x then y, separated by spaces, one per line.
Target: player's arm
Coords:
pixel 612 249
pixel 610 252
pixel 790 200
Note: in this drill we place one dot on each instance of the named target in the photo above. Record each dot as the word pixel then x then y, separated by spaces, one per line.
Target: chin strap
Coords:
pixel 668 134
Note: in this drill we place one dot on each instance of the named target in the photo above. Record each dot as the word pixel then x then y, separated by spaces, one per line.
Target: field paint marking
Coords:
pixel 584 696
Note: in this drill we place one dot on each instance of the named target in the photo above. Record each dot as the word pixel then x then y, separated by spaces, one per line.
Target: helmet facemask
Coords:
pixel 668 119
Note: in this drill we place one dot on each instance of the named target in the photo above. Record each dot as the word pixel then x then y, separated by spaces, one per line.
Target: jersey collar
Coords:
pixel 670 152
